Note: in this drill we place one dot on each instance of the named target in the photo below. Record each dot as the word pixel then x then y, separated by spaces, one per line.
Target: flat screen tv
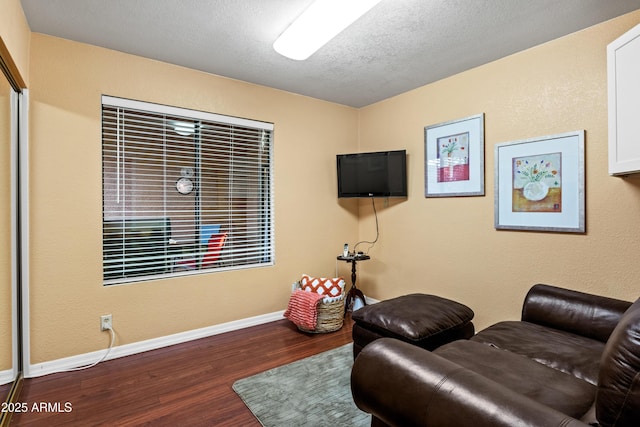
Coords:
pixel 379 174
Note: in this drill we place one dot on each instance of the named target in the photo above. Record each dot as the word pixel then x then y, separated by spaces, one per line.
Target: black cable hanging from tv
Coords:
pixel 375 213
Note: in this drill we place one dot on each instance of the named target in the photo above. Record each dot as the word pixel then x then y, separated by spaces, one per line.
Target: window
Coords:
pixel 184 191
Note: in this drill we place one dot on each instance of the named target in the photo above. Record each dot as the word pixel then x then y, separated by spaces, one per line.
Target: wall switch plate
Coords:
pixel 105 322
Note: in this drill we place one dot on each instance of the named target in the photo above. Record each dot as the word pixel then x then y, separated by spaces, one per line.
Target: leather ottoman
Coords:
pixel 427 321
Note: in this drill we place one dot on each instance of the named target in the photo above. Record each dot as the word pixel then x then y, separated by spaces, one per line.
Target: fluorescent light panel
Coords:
pixel 321 22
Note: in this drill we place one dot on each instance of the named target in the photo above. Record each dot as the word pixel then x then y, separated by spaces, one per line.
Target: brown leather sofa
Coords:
pixel 572 360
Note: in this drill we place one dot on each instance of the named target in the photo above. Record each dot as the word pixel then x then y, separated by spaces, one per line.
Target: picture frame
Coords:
pixel 539 184
pixel 454 158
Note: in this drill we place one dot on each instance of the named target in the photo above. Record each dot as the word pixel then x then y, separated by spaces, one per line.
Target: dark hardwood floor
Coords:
pixel 187 384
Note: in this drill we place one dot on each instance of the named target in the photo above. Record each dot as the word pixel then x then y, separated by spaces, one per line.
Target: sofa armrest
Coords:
pixel 404 385
pixel 589 315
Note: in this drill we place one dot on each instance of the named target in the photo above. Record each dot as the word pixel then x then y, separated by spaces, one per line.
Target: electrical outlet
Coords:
pixel 105 322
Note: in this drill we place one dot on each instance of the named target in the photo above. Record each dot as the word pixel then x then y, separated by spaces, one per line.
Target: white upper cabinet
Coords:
pixel 623 73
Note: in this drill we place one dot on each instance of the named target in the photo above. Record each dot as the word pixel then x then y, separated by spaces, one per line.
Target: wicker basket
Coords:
pixel 330 317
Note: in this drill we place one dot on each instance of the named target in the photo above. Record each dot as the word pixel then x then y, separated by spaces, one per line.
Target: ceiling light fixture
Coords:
pixel 321 22
pixel 183 128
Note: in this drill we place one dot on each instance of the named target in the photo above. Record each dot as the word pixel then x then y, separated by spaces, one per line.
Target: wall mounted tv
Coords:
pixel 379 174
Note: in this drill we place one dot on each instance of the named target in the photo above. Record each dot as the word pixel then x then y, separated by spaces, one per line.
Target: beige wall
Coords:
pixel 66 292
pixel 449 246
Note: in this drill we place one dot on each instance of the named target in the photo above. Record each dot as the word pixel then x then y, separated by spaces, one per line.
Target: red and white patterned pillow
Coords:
pixel 331 287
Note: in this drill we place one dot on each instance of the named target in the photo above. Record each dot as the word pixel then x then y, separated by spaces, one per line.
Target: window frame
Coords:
pixel 264 193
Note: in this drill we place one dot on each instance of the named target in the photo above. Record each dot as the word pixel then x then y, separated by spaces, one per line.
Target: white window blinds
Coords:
pixel 184 191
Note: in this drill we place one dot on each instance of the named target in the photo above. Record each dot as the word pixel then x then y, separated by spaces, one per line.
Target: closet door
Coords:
pixel 8 237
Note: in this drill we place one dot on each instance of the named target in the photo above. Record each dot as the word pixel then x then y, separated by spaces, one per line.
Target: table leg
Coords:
pixel 354 292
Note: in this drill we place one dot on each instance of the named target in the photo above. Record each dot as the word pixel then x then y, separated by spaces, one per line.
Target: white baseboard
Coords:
pixel 67 363
pixel 7 376
pixel 371 300
pixel 73 362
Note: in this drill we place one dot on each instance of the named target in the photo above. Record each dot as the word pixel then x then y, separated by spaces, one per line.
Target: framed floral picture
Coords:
pixel 539 184
pixel 454 158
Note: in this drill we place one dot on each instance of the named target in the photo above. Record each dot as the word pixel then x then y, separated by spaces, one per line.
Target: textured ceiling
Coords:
pixel 398 46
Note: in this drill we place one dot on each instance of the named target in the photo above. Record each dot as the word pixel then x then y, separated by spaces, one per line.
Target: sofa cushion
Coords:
pixel 550 387
pixel 618 398
pixel 564 351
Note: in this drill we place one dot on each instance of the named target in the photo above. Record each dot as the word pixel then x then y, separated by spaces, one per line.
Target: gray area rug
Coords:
pixel 310 392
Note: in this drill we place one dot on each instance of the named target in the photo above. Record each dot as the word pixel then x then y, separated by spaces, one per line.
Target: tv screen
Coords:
pixel 379 174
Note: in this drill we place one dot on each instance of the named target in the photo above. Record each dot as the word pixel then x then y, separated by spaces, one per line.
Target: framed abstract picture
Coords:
pixel 539 184
pixel 454 158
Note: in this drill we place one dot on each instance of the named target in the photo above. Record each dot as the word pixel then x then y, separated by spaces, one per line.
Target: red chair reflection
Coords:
pixel 214 250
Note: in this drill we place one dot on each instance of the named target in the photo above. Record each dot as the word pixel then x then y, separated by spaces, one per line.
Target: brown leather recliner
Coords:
pixel 573 360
